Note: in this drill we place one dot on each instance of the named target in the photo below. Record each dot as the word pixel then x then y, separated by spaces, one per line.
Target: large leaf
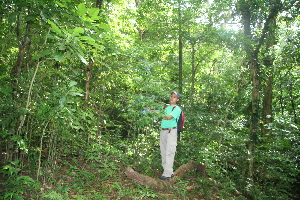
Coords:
pixel 88 40
pixel 30 17
pixel 58 56
pixel 83 59
pixel 81 9
pixel 6 89
pixel 93 12
pixel 42 54
pixel 78 30
pixel 55 28
pixel 76 94
pixel 105 27
pixel 72 83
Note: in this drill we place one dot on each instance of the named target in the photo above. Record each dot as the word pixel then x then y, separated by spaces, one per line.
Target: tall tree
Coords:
pixel 23 33
pixel 253 47
pixel 180 46
pixel 268 64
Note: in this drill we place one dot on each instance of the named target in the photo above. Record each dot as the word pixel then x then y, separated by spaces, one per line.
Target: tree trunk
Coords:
pixel 267 100
pixel 180 46
pixel 157 184
pixel 193 73
pixel 23 41
pixel 268 86
pixel 254 69
pixel 254 74
pixel 99 4
pixel 88 78
pixel 292 99
pixel 268 95
pixel 252 54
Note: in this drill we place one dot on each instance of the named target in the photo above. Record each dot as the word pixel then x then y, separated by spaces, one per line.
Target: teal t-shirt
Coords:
pixel 175 113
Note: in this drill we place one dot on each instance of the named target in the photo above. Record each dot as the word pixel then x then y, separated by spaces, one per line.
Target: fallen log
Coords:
pixel 145 180
pixel 155 183
pixel 183 170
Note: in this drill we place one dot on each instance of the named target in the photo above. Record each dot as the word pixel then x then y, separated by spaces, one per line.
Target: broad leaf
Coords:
pixel 105 27
pixel 78 30
pixel 58 56
pixel 72 83
pixel 76 94
pixel 55 28
pixel 83 59
pixel 81 9
pixel 93 12
pixel 89 40
pixel 42 54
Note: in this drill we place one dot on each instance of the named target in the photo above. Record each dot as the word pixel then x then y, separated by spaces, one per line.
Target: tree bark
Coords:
pixel 252 51
pixel 268 98
pixel 88 78
pixel 269 69
pixel 193 73
pixel 254 69
pixel 157 184
pixel 180 47
pixel 99 4
pixel 294 107
pixel 23 41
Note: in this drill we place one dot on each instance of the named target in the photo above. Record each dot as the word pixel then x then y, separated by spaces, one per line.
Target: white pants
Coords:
pixel 168 143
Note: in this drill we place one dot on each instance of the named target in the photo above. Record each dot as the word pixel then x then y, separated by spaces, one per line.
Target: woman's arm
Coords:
pixel 168 117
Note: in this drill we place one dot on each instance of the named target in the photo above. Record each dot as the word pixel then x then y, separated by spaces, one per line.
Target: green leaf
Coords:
pixel 6 90
pixel 42 54
pixel 6 167
pixel 3 76
pixel 12 17
pixel 61 46
pixel 81 9
pixel 78 30
pixel 58 56
pixel 94 18
pixel 30 17
pixel 89 40
pixel 83 59
pixel 52 195
pixel 62 101
pixel 55 28
pixel 105 27
pixel 61 5
pixel 93 12
pixel 72 83
pixel 76 94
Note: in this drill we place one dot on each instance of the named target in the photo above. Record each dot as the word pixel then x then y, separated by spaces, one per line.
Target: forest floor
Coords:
pixel 78 178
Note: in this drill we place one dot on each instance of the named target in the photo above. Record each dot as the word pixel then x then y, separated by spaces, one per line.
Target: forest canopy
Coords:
pixel 77 78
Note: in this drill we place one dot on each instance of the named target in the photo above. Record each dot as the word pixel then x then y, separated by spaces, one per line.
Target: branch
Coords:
pixel 272 15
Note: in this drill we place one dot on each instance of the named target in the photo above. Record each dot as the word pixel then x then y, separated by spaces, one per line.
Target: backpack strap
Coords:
pixel 166 106
pixel 174 107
